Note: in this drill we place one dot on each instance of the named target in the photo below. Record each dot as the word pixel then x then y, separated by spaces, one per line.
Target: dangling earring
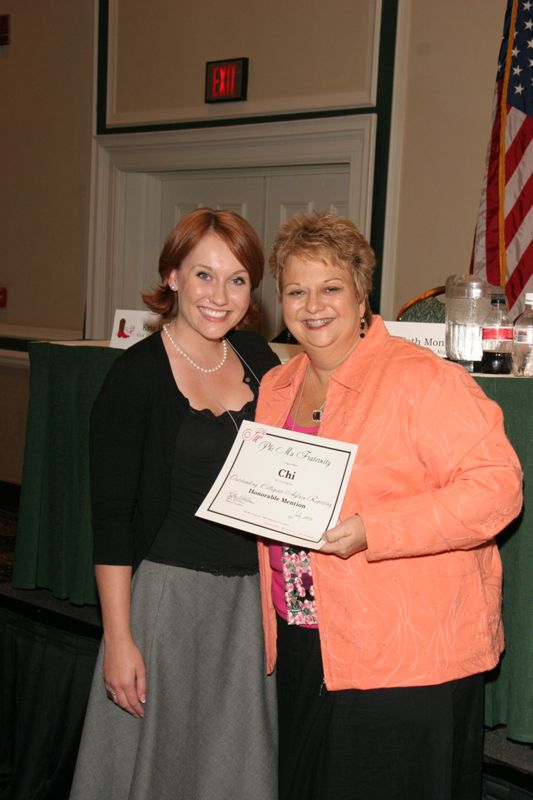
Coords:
pixel 362 325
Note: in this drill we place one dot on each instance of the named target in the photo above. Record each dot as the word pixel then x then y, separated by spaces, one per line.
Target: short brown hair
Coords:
pixel 326 237
pixel 229 226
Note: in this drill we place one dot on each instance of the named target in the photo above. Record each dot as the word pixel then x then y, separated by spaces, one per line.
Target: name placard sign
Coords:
pixel 130 326
pixel 425 334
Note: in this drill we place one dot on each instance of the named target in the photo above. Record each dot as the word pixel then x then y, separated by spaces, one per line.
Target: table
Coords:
pixel 509 689
pixel 53 546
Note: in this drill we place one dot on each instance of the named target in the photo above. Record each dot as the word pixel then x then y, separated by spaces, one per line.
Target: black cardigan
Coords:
pixel 134 424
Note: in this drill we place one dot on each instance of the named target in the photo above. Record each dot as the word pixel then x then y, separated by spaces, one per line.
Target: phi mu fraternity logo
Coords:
pixel 253 435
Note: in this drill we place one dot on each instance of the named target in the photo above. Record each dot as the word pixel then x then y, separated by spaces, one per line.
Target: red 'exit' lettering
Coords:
pixel 223 81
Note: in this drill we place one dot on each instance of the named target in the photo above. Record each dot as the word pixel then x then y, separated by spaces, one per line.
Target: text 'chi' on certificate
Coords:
pixel 281 485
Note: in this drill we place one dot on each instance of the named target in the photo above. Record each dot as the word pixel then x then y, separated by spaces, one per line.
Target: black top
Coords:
pixel 185 540
pixel 134 426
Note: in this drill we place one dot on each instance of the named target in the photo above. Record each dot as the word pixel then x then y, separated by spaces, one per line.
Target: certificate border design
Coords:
pixel 306 541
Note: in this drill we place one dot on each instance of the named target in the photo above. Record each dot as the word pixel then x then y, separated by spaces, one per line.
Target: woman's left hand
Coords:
pixel 346 538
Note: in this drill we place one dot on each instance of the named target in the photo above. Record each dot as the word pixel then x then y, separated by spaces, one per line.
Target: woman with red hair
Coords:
pixel 180 707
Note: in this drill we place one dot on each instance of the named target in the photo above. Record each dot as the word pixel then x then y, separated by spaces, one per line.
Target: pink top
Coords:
pixel 278 582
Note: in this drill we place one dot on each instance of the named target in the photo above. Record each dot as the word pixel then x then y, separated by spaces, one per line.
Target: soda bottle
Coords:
pixel 497 338
pixel 523 340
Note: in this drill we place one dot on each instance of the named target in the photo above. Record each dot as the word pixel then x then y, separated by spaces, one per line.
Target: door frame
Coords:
pixel 126 189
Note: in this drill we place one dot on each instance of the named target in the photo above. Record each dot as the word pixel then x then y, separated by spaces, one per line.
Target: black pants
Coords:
pixel 419 743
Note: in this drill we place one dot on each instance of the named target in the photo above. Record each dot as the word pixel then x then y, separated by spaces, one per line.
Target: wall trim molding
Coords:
pixel 14 358
pixel 362 98
pixel 127 170
pixel 37 333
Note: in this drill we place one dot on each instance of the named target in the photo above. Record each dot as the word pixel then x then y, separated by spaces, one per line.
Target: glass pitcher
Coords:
pixel 467 305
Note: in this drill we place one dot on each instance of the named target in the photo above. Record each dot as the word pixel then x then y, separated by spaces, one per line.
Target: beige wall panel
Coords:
pixel 298 52
pixel 13 411
pixel 452 58
pixel 46 86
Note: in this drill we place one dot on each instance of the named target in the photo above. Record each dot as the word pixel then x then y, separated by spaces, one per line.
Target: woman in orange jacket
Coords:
pixel 382 637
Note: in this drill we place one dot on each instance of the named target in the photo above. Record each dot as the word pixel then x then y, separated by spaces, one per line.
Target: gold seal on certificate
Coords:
pixel 281 485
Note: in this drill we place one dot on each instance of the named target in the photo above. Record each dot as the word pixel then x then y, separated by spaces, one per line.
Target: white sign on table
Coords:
pixel 426 334
pixel 130 326
pixel 281 485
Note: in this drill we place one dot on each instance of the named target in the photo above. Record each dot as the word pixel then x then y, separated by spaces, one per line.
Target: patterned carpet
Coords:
pixel 8 526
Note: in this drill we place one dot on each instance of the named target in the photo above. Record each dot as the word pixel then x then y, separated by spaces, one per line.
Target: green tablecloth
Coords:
pixel 53 546
pixel 509 692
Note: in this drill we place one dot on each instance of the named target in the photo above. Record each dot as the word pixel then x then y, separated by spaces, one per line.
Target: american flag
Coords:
pixel 503 243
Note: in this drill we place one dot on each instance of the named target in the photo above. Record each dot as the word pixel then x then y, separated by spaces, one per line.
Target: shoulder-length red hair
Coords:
pixel 232 229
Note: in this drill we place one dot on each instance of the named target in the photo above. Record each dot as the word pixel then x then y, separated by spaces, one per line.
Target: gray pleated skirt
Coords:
pixel 210 729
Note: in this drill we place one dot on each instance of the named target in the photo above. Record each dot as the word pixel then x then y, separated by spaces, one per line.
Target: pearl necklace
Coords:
pixel 190 360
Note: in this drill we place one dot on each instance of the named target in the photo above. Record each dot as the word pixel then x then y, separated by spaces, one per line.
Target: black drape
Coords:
pixel 45 676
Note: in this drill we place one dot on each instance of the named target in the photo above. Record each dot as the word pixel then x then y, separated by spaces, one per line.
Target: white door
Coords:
pixel 288 194
pixel 266 198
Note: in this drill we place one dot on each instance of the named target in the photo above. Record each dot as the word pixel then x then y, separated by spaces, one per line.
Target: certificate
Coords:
pixel 281 485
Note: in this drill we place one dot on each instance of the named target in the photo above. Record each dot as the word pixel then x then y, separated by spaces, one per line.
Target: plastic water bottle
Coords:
pixel 523 340
pixel 497 338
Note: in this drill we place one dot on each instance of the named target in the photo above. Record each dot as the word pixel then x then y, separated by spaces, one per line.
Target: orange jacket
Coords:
pixel 434 480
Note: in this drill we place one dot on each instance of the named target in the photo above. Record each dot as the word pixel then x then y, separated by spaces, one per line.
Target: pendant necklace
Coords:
pixel 191 360
pixel 316 413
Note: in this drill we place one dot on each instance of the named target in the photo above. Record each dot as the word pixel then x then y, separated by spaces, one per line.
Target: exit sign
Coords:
pixel 226 80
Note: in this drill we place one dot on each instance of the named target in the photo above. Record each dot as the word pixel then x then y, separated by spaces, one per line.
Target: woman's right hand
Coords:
pixel 124 670
pixel 125 675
